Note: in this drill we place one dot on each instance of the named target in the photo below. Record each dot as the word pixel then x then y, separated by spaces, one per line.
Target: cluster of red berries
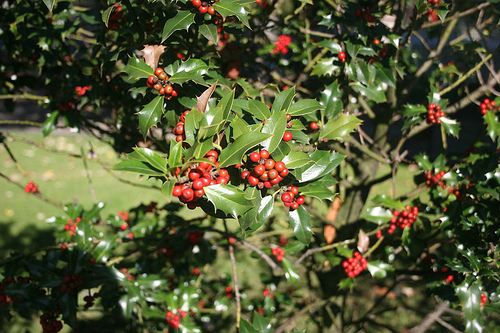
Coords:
pixel 124 217
pixel 263 3
pixel 365 14
pixel 341 56
pixel 434 2
pixel 89 300
pixel 160 83
pixel 484 299
pixel 174 320
pixel 291 198
pixel 355 265
pixel 434 180
pixel 179 128
pixel 127 274
pixel 205 6
pixel 266 172
pixel 433 15
pixel 403 219
pixel 459 191
pixel 488 105
pixel 434 113
pixel 65 107
pixel 31 188
pixel 229 292
pixel 72 225
pixel 115 17
pixel 281 46
pixel 198 177
pixel 4 299
pixel 50 324
pixel 278 252
pixel 71 282
pixel 267 292
pixel 80 91
pixel 448 277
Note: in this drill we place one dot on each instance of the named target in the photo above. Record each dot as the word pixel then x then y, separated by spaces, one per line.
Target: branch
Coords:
pixel 430 318
pixel 236 287
pixel 21 122
pixel 457 16
pixel 24 96
pixel 291 322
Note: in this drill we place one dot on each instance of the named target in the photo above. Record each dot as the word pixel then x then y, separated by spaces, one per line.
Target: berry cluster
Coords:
pixel 80 91
pixel 434 2
pixel 266 172
pixel 433 15
pixel 434 180
pixel 4 299
pixel 197 177
pixel 281 46
pixel 459 191
pixel 449 277
pixel 487 105
pixel 278 252
pixel 72 225
pixel 290 198
pixel 174 320
pixel 205 6
pixel 160 83
pixel 403 219
pixel 263 3
pixel 115 17
pixel 355 265
pixel 71 282
pixel 126 272
pixel 484 299
pixel 267 292
pixel 89 300
pixel 49 323
pixel 434 113
pixel 31 188
pixel 229 292
pixel 341 56
pixel 365 14
pixel 179 128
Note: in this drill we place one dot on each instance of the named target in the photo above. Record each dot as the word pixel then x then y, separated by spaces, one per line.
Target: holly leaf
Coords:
pixel 411 110
pixel 304 107
pixel 338 128
pixel 451 126
pixel 379 269
pixel 296 159
pixel 152 54
pixel 50 4
pixel 423 162
pixel 388 202
pixel 138 167
pixel 149 156
pixel 181 21
pixel 209 31
pixel 299 221
pixel 323 163
pixel 151 114
pixel 105 14
pixel 233 153
pixel 226 103
pixel 470 299
pixel 372 91
pixel 138 69
pixel 377 214
pixel 50 123
pixel 228 8
pixel 259 109
pixel 290 273
pixel 276 127
pixel 228 199
pixel 245 327
pixel 175 154
pixel 261 324
pixel 202 101
pixel 283 100
pixel 331 100
pixel 493 126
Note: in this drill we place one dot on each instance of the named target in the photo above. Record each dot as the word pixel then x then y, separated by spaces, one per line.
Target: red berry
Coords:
pixel 313 125
pixel 158 71
pixel 254 157
pixel 264 154
pixel 341 56
pixel 211 10
pixel 187 194
pixel 203 9
pixel 177 191
pixel 287 136
pixel 197 3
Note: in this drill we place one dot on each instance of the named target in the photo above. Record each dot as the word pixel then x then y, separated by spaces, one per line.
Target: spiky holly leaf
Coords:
pixel 229 199
pixel 138 69
pixel 151 114
pixel 340 127
pixel 299 221
pixel 181 21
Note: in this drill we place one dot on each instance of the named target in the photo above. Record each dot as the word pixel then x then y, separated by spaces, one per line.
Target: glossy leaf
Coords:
pixel 50 123
pixel 50 4
pixel 304 107
pixel 259 109
pixel 388 202
pixel 331 99
pixel 377 214
pixel 175 154
pixel 423 162
pixel 209 31
pixel 340 127
pixel 296 159
pixel 149 156
pixel 151 115
pixel 323 163
pixel 261 324
pixel 493 127
pixel 233 153
pixel 276 127
pixel 470 298
pixel 228 199
pixel 372 91
pixel 181 21
pixel 450 126
pixel 299 221
pixel 138 69
pixel 228 8
pixel 138 167
pixel 283 100
pixel 246 327
pixel 379 269
pixel 411 110
pixel 290 273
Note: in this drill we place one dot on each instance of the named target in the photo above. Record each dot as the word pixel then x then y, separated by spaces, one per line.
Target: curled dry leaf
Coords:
pixel 334 210
pixel 329 232
pixel 152 54
pixel 202 101
pixel 363 241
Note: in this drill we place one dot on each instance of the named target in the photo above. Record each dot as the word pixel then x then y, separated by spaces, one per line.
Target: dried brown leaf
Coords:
pixel 363 241
pixel 202 101
pixel 152 54
pixel 334 210
pixel 329 233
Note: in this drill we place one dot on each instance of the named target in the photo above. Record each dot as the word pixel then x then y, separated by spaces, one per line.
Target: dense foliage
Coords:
pixel 266 125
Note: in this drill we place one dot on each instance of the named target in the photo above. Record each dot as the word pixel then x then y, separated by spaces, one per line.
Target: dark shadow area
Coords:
pixel 30 238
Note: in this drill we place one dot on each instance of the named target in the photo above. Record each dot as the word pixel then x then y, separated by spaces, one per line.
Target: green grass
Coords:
pixel 62 179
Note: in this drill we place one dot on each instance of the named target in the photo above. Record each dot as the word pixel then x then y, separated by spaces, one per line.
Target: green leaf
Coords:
pixel 388 202
pixel 184 76
pixel 211 123
pixel 149 156
pixel 372 91
pixel 331 99
pixel 296 159
pixel 259 109
pixel 331 45
pixel 493 126
pixel 239 127
pixel 191 124
pixel 138 167
pixel 175 154
pixel 50 4
pixel 181 21
pixel 304 107
pixel 105 14
pixel 469 254
pixel 50 123
pixel 209 31
pixel 378 215
pixel 199 149
pixel 228 8
pixel 245 327
pixel 233 153
pixel 228 199
pixel 470 299
pixel 226 103
pixel 261 324
pixel 299 221
pixel 318 189
pixel 423 162
pixel 379 269
pixel 150 115
pixel 104 249
pixel 450 126
pixel 138 69
pixel 323 163
pixel 325 66
pixel 276 127
pixel 411 110
pixel 290 273
pixel 340 127
pixel 283 100
pixel 167 189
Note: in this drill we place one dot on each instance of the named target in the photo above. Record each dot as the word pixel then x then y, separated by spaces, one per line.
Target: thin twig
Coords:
pixel 264 256
pixel 20 122
pixel 430 318
pixel 89 178
pixel 236 287
pixel 291 322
